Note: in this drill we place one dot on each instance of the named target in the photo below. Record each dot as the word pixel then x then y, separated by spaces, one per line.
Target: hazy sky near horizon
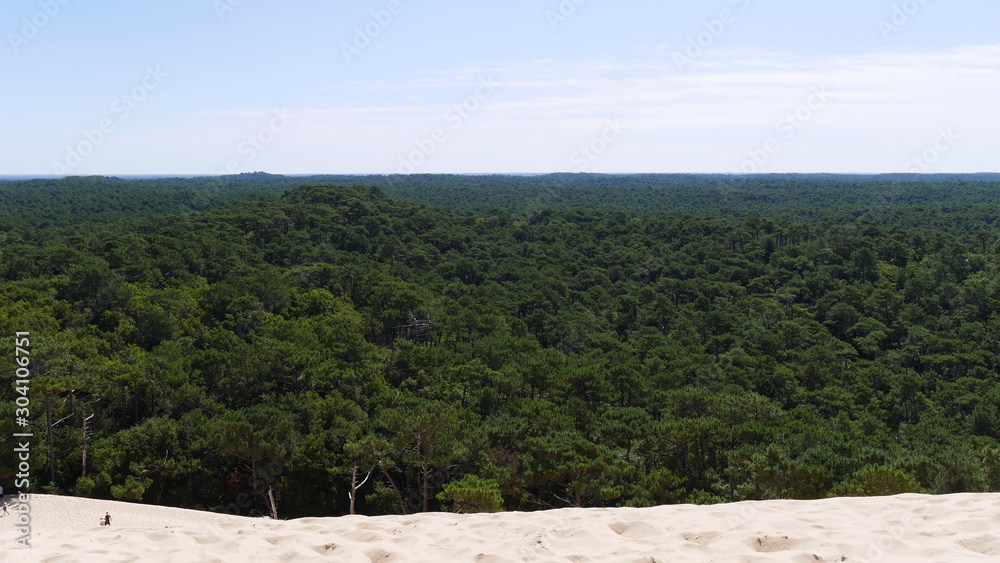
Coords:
pixel 490 86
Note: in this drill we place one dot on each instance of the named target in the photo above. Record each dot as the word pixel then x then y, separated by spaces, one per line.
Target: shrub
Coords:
pixel 472 494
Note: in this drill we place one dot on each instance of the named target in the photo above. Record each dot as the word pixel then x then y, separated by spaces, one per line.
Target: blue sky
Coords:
pixel 386 86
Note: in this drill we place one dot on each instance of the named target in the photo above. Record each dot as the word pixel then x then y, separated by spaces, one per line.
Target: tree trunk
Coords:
pixel 354 486
pixel 274 507
pixel 395 489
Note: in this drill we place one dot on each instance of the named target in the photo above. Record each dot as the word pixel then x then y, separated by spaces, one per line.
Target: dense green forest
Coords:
pixel 621 341
pixel 958 204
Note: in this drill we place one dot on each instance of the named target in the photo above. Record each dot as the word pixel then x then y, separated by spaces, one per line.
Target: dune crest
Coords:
pixel 910 528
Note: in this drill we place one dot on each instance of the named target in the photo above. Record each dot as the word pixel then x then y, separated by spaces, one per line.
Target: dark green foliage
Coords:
pixel 565 340
pixel 877 480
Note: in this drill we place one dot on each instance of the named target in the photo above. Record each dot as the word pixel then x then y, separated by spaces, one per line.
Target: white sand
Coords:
pixel 905 528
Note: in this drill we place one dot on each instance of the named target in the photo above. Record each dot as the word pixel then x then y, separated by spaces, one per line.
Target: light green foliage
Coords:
pixel 472 494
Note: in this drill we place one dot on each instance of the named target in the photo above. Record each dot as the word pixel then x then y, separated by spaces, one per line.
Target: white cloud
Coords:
pixel 703 119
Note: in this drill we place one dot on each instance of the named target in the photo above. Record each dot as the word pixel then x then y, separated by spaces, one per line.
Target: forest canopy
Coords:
pixel 498 342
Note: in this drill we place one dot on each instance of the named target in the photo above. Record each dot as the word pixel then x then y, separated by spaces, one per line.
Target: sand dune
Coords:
pixel 905 528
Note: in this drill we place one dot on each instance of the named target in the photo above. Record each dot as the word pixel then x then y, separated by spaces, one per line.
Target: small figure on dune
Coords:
pixel 5 507
pixel 107 518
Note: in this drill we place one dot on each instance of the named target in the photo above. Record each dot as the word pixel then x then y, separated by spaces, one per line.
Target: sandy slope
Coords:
pixel 906 528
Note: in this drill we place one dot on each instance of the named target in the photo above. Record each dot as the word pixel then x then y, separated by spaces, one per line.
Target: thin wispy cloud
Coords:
pixel 550 90
pixel 876 98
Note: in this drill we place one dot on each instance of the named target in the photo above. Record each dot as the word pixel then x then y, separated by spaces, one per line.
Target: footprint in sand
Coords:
pixel 632 529
pixel 987 545
pixel 485 558
pixel 770 544
pixel 700 539
pixel 325 550
pixel 381 556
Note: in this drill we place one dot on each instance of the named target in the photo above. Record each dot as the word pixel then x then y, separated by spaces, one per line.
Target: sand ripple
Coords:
pixel 905 528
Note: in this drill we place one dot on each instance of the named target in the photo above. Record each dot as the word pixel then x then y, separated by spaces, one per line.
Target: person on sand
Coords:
pixel 5 508
pixel 107 518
